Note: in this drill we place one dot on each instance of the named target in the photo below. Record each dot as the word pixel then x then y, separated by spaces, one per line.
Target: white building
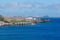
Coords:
pixel 29 18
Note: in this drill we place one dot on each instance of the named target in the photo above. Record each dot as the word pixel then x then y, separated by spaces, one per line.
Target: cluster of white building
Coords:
pixel 26 18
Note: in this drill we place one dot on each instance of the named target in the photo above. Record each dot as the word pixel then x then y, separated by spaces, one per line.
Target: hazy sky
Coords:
pixel 30 8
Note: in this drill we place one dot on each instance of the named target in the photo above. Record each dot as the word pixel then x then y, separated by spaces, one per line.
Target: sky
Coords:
pixel 30 8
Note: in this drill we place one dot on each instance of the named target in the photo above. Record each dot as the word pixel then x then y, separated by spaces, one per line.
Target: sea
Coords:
pixel 39 31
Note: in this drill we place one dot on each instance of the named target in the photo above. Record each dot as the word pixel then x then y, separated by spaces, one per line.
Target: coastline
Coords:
pixel 21 20
pixel 24 23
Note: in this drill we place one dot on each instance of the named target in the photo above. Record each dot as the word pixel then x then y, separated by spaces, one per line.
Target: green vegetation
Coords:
pixel 1 18
pixel 14 21
pixel 24 21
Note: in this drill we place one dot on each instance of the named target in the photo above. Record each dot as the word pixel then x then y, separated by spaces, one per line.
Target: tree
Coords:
pixel 1 18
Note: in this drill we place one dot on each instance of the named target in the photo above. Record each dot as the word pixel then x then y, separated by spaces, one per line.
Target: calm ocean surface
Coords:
pixel 40 31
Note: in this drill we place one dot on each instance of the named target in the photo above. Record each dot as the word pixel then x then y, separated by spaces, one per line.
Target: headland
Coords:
pixel 21 20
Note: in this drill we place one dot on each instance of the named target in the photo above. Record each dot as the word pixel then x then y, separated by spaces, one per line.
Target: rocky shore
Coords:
pixel 21 20
pixel 23 23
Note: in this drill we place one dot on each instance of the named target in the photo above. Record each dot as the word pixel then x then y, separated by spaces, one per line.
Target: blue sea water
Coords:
pixel 40 31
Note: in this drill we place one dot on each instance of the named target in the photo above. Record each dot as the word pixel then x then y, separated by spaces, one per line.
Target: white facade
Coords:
pixel 34 18
pixel 29 18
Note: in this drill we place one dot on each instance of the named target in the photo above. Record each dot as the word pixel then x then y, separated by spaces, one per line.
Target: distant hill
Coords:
pixel 46 16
